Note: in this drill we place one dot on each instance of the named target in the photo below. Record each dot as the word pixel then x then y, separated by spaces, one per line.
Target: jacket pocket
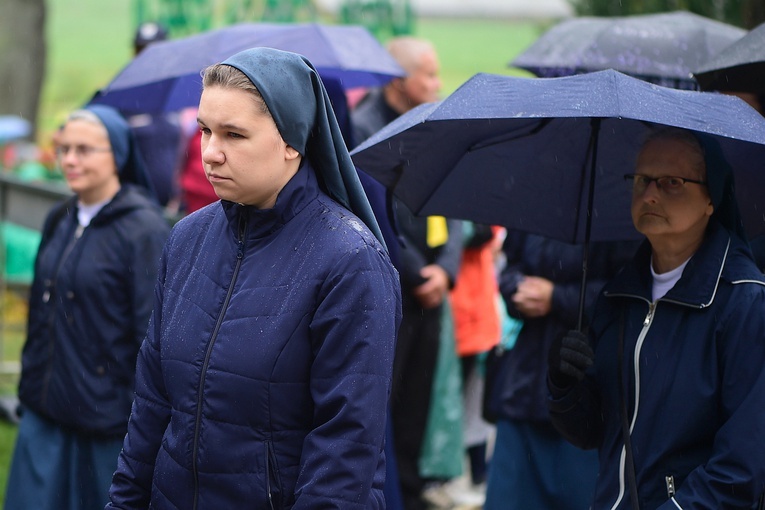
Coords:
pixel 273 479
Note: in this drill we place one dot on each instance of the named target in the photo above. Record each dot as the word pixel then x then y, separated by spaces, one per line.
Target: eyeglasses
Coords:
pixel 81 151
pixel 668 184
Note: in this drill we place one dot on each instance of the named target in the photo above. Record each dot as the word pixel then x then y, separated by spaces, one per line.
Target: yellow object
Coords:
pixel 438 234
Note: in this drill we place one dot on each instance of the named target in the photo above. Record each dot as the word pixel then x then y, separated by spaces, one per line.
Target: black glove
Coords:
pixel 569 358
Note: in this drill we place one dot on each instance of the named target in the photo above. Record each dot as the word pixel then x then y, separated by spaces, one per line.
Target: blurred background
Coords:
pixel 55 54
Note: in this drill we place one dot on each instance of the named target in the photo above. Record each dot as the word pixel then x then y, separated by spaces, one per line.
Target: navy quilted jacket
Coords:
pixel 693 378
pixel 264 378
pixel 89 307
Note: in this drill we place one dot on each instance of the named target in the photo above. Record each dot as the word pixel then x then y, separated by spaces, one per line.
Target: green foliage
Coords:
pixel 184 17
pixel 382 17
pixel 743 13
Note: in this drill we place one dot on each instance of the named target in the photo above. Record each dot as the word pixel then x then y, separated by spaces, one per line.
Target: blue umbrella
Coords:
pixel 166 75
pixel 548 155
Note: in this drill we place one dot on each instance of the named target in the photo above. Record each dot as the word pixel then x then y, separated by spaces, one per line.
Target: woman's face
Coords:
pixel 682 217
pixel 245 158
pixel 87 162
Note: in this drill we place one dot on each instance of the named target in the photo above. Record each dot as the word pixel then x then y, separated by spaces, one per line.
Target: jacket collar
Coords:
pixel 128 198
pixel 293 198
pixel 701 277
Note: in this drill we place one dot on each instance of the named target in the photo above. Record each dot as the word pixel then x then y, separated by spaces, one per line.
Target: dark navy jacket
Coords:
pixel 89 308
pixel 264 379
pixel 694 376
pixel 518 390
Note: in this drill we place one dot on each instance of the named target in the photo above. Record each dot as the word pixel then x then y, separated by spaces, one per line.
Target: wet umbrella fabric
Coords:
pixel 166 75
pixel 548 155
pixel 661 48
pixel 738 68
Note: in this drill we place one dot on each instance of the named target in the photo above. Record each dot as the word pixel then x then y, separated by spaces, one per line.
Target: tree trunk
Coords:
pixel 22 57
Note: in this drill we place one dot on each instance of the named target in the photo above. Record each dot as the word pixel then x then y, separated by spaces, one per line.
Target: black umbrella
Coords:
pixel 661 48
pixel 548 155
pixel 738 68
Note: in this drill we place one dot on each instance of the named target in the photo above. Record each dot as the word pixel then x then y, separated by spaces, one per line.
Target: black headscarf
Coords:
pixel 130 165
pixel 302 111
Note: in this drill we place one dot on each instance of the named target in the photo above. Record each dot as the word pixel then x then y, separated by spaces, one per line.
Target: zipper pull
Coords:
pixel 78 231
pixel 670 486
pixel 649 316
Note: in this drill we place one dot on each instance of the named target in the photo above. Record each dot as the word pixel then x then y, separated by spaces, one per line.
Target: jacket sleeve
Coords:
pixel 566 297
pixel 146 250
pixel 150 414
pixel 512 272
pixel 734 474
pixel 604 261
pixel 353 334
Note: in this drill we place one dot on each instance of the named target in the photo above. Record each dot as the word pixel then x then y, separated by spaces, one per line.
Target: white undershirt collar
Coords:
pixel 665 281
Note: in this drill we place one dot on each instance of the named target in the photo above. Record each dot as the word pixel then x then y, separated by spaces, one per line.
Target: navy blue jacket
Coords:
pixel 264 379
pixel 518 391
pixel 694 375
pixel 89 307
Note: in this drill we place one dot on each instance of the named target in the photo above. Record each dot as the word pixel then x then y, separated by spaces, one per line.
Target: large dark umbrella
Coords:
pixel 548 155
pixel 738 68
pixel 166 75
pixel 661 48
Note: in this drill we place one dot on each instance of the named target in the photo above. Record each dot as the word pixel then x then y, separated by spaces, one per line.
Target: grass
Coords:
pixel 89 41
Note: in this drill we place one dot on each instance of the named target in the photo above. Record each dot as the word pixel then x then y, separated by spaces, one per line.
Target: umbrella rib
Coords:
pixel 506 137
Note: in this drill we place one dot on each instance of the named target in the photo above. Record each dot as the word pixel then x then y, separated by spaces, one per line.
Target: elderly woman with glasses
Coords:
pixel 89 307
pixel 669 384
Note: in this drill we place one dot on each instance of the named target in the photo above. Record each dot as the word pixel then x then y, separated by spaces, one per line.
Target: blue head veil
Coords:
pixel 302 111
pixel 130 164
pixel 721 186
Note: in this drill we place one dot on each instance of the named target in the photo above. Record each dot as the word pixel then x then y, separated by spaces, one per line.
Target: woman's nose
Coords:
pixel 211 152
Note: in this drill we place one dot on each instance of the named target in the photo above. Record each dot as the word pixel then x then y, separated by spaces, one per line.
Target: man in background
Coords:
pixel 428 262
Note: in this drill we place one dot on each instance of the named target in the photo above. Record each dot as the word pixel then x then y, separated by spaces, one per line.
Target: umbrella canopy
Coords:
pixel 548 155
pixel 661 48
pixel 738 68
pixel 166 75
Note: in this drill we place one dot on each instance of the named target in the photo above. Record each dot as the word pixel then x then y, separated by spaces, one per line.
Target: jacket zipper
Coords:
pixel 271 468
pixel 636 370
pixel 670 481
pixel 208 353
pixel 52 318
